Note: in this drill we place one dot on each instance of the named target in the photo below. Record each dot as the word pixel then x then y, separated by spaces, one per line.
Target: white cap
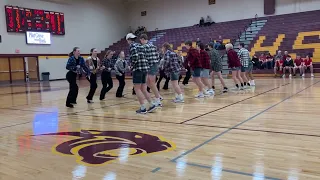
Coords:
pixel 130 36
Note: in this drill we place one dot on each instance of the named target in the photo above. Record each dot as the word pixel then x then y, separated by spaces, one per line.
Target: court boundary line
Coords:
pixel 174 160
pixel 200 125
pixel 191 119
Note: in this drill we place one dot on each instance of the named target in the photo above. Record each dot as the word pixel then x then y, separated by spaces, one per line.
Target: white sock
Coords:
pixel 142 107
pixel 180 96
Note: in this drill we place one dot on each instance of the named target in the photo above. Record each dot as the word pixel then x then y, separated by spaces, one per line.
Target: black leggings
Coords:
pixel 187 77
pixel 122 83
pixel 93 86
pixel 73 88
pixel 107 83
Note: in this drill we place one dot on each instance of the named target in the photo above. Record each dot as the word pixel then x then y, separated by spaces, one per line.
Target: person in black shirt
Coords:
pixel 288 65
pixel 75 65
pixel 106 79
pixel 93 62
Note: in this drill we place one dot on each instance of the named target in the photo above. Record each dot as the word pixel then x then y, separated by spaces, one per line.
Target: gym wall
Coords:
pixel 168 14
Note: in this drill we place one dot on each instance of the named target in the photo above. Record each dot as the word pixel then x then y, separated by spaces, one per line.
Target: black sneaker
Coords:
pixel 225 90
pixel 141 111
pixel 152 108
pixel 89 101
pixel 69 105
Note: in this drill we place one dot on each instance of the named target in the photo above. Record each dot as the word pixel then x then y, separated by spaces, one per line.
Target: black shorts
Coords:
pixel 139 77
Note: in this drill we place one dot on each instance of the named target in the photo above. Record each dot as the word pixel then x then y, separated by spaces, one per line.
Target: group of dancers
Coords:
pixel 203 62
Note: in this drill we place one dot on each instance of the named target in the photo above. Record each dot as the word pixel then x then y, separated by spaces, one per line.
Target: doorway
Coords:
pixel 18 69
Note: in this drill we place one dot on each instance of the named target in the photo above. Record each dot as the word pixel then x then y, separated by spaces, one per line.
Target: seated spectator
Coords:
pixel 255 61
pixel 286 54
pixel 269 61
pixel 288 65
pixel 208 21
pixel 262 61
pixel 201 23
pixel 198 41
pixel 219 43
pixel 278 65
pixel 298 65
pixel 307 64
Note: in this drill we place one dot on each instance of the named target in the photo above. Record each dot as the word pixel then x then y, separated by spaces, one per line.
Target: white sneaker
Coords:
pixel 290 76
pixel 179 100
pixel 200 95
pixel 252 83
pixel 161 98
pixel 302 75
pixel 284 76
pixel 211 92
pixel 312 75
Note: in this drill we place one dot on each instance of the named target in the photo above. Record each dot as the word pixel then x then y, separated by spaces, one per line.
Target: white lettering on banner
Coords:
pixel 38 38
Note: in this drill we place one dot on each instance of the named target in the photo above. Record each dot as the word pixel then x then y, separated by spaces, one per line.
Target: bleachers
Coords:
pixel 297 33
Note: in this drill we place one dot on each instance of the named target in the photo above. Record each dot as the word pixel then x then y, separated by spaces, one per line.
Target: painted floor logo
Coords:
pixel 93 147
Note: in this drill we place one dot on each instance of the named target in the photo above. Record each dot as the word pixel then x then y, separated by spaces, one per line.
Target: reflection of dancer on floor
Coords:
pixel 172 69
pixel 93 62
pixel 75 65
pixel 216 66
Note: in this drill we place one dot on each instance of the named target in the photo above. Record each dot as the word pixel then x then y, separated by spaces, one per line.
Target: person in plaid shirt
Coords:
pixel 140 68
pixel 205 72
pixel 244 57
pixel 153 58
pixel 172 69
pixel 193 58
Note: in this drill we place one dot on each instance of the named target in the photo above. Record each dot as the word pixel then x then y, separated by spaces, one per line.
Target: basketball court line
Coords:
pixel 200 125
pixel 174 160
pixel 232 104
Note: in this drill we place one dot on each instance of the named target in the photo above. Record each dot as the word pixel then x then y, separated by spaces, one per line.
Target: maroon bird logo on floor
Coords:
pixel 92 147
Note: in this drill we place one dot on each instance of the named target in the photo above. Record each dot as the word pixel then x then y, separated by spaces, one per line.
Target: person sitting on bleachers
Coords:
pixel 262 61
pixel 308 65
pixel 278 65
pixel 287 65
pixel 201 22
pixel 219 44
pixel 208 21
pixel 298 65
pixel 269 61
pixel 198 41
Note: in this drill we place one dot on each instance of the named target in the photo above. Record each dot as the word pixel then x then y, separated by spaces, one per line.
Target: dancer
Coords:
pixel 172 69
pixel 162 74
pixel 181 62
pixel 140 67
pixel 153 59
pixel 75 65
pixel 244 57
pixel 234 65
pixel 249 73
pixel 216 65
pixel 106 79
pixel 205 72
pixel 120 68
pixel 193 58
pixel 93 62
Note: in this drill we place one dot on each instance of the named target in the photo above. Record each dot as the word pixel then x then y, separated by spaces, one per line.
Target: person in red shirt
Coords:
pixel 193 58
pixel 308 65
pixel 234 65
pixel 278 66
pixel 262 61
pixel 298 65
pixel 205 72
pixel 269 60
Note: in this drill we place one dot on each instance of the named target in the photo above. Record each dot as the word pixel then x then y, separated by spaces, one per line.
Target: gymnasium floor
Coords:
pixel 268 132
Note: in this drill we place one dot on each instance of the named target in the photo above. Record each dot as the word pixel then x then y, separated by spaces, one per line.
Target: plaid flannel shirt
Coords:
pixel 204 59
pixel 138 58
pixel 193 58
pixel 151 54
pixel 215 58
pixel 171 62
pixel 72 65
pixel 244 57
pixel 107 63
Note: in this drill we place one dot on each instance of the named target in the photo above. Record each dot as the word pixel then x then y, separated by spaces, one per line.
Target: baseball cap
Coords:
pixel 130 36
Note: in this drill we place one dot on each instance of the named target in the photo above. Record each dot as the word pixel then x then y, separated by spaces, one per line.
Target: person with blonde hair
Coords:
pixel 106 79
pixel 120 68
pixel 172 69
pixel 235 65
pixel 93 62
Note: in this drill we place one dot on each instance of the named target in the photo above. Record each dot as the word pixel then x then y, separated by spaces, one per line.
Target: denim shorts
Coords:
pixel 196 72
pixel 205 73
pixel 139 77
pixel 244 69
pixel 235 68
pixel 153 70
pixel 174 76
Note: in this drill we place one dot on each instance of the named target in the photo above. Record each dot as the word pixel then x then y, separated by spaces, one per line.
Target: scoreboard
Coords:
pixel 24 19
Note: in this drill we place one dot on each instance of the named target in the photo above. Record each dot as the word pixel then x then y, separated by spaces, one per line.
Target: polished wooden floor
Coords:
pixel 271 131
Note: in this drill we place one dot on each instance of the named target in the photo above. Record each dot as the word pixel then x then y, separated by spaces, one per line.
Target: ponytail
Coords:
pixel 73 50
pixel 71 54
